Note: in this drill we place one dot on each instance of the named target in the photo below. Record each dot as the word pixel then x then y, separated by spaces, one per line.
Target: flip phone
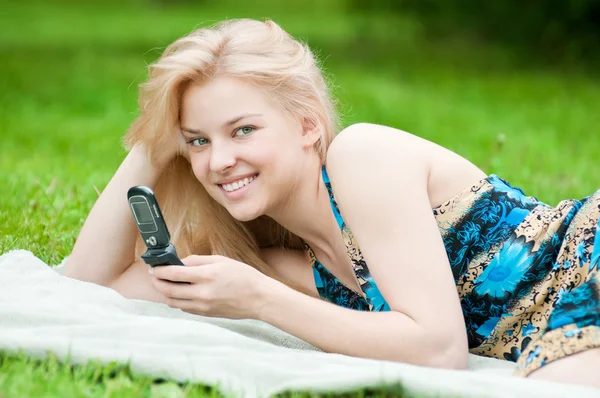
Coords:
pixel 152 227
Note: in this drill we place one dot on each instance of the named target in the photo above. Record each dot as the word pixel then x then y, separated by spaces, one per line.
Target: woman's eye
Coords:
pixel 244 130
pixel 197 141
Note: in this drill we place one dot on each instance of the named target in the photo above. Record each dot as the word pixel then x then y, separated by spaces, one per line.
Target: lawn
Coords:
pixel 68 88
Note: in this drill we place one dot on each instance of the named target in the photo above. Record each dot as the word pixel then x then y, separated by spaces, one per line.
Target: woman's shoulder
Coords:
pixel 371 136
pixel 444 171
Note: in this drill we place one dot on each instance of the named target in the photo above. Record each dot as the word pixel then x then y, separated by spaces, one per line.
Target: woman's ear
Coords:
pixel 311 132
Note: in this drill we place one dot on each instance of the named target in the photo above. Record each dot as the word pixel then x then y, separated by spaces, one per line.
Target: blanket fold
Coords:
pixel 41 311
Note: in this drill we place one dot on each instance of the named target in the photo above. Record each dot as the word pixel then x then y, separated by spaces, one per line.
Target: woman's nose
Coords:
pixel 222 157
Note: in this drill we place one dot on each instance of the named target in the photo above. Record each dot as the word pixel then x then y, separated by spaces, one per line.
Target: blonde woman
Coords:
pixel 375 243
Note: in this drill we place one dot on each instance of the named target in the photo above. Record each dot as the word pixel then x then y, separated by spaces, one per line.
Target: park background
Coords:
pixel 513 86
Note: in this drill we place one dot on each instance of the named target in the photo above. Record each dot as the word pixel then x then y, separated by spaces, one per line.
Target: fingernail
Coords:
pixel 151 271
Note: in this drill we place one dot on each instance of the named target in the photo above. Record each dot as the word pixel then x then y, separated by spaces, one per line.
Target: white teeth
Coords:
pixel 238 184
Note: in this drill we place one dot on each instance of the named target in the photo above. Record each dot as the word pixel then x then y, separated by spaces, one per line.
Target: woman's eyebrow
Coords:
pixel 229 123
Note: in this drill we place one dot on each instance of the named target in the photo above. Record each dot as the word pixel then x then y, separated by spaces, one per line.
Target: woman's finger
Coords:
pixel 175 290
pixel 176 273
pixel 194 260
pixel 188 306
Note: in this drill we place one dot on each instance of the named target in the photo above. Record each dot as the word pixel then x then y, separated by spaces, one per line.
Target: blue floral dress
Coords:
pixel 526 273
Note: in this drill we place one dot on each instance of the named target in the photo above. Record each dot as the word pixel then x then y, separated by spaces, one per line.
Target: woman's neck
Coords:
pixel 308 214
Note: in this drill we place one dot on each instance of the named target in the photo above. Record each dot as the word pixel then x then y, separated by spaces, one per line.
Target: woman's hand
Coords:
pixel 217 286
pixel 167 148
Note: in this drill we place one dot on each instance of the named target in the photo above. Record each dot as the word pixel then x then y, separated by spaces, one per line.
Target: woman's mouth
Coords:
pixel 235 189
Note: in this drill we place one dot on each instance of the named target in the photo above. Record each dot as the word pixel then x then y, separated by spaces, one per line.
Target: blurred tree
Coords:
pixel 560 28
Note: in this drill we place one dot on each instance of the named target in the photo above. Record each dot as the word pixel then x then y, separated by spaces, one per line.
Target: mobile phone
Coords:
pixel 152 227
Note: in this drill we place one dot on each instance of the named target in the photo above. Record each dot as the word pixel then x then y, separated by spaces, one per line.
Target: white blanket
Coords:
pixel 41 310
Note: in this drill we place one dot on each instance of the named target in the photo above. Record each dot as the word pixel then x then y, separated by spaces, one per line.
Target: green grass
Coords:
pixel 23 376
pixel 68 86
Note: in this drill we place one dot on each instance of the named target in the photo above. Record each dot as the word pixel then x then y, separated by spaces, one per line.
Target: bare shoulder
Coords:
pixel 293 265
pixel 380 178
pixel 444 172
pixel 376 136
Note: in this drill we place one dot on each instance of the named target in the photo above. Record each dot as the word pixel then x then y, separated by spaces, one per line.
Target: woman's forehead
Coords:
pixel 224 101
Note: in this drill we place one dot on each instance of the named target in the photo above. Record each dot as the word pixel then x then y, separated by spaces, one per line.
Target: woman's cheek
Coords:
pixel 199 169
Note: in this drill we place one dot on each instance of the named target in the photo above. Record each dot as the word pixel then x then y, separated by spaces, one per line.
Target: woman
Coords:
pixel 335 240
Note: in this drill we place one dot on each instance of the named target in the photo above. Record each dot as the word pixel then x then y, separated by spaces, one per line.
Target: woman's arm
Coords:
pixel 105 246
pixel 388 335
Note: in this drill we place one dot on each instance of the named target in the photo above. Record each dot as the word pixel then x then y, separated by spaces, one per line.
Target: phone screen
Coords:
pixel 142 213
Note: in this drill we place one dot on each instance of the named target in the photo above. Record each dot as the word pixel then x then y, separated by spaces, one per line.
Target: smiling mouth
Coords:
pixel 238 184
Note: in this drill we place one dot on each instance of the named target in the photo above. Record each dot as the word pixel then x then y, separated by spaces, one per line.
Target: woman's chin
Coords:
pixel 244 216
pixel 246 219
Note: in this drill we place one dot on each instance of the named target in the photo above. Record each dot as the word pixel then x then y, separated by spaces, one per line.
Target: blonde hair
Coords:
pixel 259 52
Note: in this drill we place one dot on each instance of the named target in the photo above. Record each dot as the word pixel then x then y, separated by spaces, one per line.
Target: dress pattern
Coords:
pixel 333 290
pixel 526 273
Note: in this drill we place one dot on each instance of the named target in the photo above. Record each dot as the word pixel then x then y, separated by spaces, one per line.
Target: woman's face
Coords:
pixel 243 149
